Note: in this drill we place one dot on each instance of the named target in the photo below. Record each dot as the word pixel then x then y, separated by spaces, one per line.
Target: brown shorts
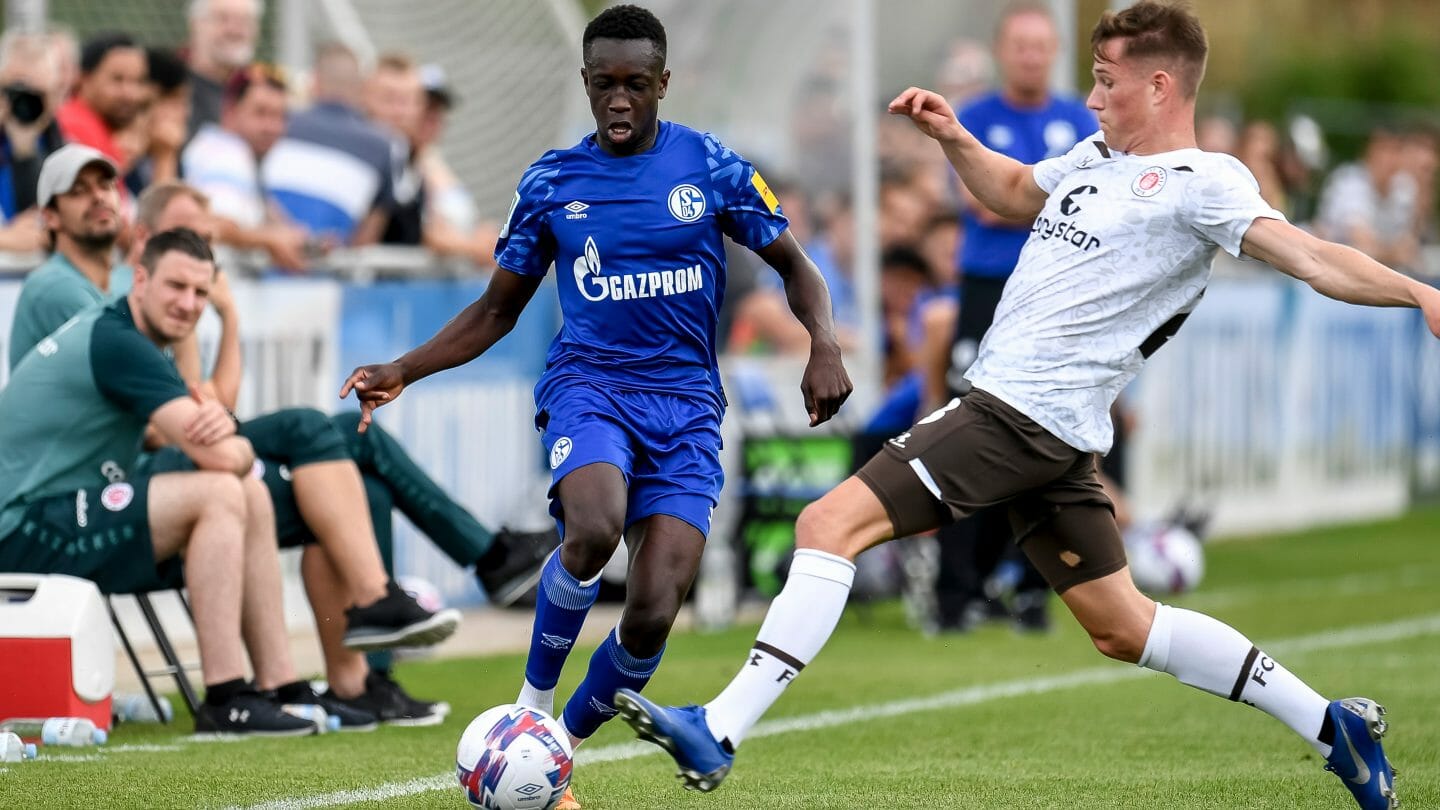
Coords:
pixel 978 452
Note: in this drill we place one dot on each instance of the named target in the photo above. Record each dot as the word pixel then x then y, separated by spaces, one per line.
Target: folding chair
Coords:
pixel 174 667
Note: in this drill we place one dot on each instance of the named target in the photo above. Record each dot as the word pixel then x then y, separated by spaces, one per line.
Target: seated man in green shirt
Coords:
pixel 78 194
pixel 71 420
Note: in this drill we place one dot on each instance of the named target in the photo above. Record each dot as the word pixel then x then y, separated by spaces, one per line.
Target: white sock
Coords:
pixel 1211 655
pixel 798 624
pixel 542 699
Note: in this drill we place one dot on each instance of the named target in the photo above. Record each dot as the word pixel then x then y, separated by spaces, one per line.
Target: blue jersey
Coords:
pixel 1030 136
pixel 638 248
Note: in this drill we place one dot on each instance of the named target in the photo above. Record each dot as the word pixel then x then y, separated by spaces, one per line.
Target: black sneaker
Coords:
pixel 252 714
pixel 395 620
pixel 348 717
pixel 512 564
pixel 384 699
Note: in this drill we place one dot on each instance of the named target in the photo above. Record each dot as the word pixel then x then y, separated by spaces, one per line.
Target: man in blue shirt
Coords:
pixel 1026 121
pixel 630 402
pixel 335 171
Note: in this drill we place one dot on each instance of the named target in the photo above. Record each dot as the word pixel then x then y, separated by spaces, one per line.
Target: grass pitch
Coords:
pixel 887 718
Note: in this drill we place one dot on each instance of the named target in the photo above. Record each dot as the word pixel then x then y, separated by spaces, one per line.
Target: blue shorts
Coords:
pixel 666 446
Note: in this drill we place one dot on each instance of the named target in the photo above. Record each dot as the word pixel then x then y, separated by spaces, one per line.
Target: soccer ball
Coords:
pixel 1164 560
pixel 514 758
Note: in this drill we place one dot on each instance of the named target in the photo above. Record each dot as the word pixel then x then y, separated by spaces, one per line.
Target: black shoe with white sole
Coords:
pixel 251 713
pixel 396 620
pixel 341 716
pixel 512 564
pixel 384 699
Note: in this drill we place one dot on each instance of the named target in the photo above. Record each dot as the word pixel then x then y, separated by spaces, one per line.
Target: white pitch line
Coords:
pixel 969 696
pixel 139 748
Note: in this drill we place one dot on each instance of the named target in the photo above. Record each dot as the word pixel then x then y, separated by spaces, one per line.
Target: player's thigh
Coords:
pixel 591 457
pixel 178 500
pixel 973 453
pixel 295 437
pixel 102 534
pixel 677 470
pixel 1069 545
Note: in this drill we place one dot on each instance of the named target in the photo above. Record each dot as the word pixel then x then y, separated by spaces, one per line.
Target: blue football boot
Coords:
pixel 1356 756
pixel 681 731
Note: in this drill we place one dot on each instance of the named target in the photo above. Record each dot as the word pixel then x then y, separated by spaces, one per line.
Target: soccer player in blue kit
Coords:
pixel 630 402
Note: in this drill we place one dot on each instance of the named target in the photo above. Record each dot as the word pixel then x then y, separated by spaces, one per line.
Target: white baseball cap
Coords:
pixel 61 167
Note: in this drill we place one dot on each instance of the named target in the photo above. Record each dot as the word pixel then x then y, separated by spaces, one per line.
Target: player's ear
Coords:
pixel 585 77
pixel 664 81
pixel 1162 84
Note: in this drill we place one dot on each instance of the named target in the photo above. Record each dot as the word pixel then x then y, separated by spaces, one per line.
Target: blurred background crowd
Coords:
pixel 363 142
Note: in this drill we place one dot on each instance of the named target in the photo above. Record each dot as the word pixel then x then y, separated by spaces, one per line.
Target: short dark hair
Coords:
pixel 626 22
pixel 167 71
pixel 1158 30
pixel 903 258
pixel 176 240
pixel 99 46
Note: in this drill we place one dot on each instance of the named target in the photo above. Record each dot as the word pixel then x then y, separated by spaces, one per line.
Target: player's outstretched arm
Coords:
pixel 1338 271
pixel 825 385
pixel 463 339
pixel 1001 183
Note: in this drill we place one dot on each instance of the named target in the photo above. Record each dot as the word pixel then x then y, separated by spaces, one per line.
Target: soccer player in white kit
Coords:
pixel 1126 226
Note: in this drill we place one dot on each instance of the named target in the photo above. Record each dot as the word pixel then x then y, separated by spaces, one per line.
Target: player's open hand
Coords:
pixel 929 111
pixel 825 385
pixel 373 386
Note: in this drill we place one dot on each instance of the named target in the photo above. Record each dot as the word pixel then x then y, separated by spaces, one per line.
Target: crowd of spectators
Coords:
pixel 293 172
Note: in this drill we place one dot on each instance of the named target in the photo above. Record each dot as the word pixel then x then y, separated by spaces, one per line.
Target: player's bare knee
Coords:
pixel 1118 642
pixel 590 542
pixel 643 631
pixel 822 526
pixel 222 496
pixel 258 506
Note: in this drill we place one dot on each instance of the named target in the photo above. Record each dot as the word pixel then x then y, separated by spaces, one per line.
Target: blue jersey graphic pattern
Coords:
pixel 637 244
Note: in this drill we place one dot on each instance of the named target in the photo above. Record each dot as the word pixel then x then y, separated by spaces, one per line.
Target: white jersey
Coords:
pixel 1117 259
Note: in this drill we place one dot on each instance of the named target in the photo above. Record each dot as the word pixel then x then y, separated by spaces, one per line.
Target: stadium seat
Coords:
pixel 173 667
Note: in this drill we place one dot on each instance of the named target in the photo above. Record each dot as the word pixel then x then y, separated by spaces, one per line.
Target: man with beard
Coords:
pixel 79 200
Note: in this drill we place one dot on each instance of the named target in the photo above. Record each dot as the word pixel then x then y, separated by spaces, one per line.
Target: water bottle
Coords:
pixel 12 749
pixel 136 708
pixel 72 731
pixel 315 714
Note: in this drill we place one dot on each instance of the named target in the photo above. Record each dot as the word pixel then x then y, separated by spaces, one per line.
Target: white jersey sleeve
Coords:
pixel 1227 203
pixel 1049 173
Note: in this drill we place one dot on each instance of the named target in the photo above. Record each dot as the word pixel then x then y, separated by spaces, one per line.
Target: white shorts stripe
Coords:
pixel 925 478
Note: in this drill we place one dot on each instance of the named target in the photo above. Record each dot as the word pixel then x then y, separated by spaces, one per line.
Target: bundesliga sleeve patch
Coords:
pixel 764 191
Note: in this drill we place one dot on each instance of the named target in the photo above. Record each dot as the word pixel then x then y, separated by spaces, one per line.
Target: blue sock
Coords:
pixel 560 611
pixel 611 668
